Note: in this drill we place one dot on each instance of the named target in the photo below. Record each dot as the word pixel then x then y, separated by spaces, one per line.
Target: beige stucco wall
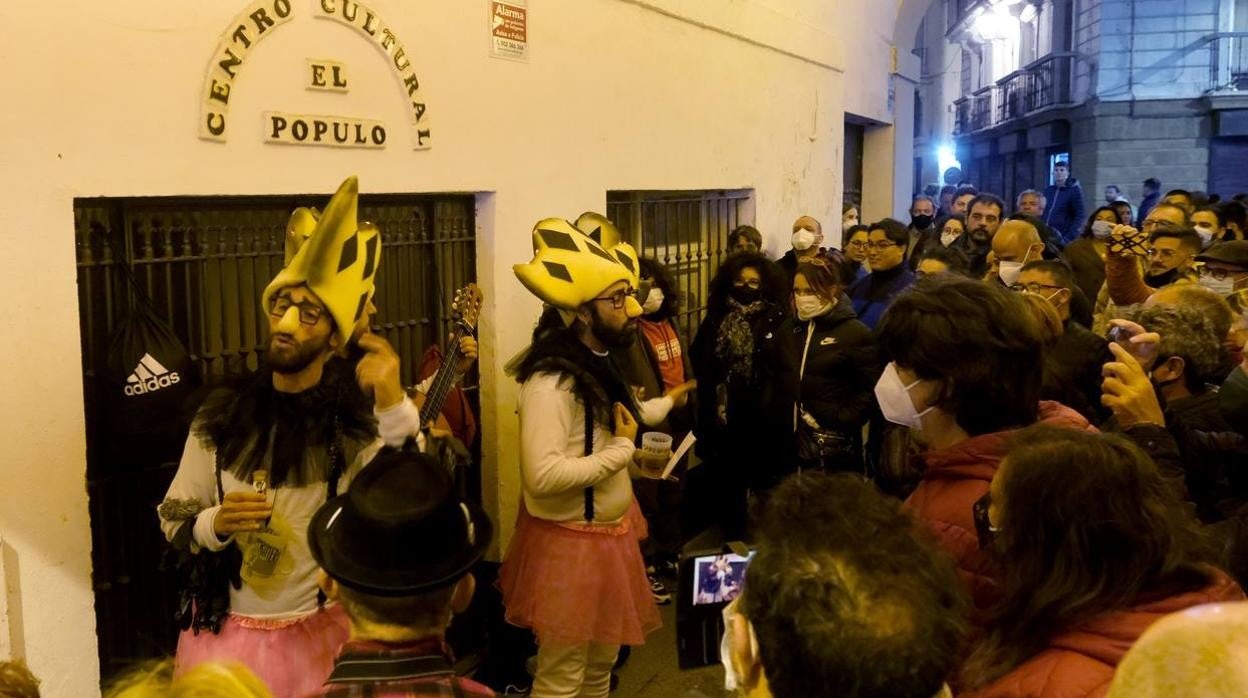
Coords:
pixel 103 99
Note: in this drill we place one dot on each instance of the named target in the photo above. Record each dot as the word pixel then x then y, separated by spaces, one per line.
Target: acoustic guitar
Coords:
pixel 465 312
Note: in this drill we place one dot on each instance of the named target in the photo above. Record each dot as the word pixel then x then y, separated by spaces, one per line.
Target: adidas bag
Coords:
pixel 148 380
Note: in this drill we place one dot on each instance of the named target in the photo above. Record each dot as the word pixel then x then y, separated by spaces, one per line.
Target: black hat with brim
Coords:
pixel 399 530
pixel 1230 252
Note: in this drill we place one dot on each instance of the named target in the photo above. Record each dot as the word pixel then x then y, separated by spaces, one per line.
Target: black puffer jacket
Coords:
pixel 842 367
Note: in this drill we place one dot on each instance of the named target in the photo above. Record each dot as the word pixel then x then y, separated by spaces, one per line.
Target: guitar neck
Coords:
pixel 443 380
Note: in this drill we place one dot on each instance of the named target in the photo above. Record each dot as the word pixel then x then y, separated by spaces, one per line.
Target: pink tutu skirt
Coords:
pixel 292 657
pixel 573 584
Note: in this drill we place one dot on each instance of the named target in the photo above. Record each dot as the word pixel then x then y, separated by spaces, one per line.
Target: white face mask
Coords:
pixel 1101 229
pixel 893 397
pixel 849 221
pixel 1009 272
pixel 654 301
pixel 1222 287
pixel 1206 235
pixel 731 681
pixel 803 239
pixel 947 239
pixel 810 306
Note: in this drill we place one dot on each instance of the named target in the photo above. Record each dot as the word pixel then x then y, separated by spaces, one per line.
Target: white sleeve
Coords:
pixel 546 420
pixel 397 424
pixel 653 412
pixel 196 480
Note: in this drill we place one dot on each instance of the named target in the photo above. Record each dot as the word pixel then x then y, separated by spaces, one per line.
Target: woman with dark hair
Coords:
pixel 746 384
pixel 1086 254
pixel 890 275
pixel 854 245
pixel 966 371
pixel 657 367
pixel 837 368
pixel 1093 547
pixel 1126 214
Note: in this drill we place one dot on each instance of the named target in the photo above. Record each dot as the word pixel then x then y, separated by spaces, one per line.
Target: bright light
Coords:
pixel 995 23
pixel 1028 13
pixel 945 158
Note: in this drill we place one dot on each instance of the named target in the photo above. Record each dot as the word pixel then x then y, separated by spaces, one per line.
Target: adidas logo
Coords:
pixel 149 376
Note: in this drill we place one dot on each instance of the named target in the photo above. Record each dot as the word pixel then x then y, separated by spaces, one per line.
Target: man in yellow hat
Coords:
pixel 265 452
pixel 574 572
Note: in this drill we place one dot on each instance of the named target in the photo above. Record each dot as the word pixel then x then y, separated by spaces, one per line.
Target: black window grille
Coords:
pixel 203 262
pixel 687 231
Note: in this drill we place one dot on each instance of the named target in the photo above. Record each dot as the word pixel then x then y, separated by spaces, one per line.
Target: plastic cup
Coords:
pixel 657 448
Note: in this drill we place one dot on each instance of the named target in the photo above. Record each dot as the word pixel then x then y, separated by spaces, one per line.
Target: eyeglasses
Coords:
pixel 309 313
pixel 881 244
pixel 859 244
pixel 1221 274
pixel 619 297
pixel 1158 225
pixel 1032 287
pixel 1164 254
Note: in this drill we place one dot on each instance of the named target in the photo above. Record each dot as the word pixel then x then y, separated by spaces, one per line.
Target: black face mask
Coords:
pixel 1163 279
pixel 921 222
pixel 983 527
pixel 746 295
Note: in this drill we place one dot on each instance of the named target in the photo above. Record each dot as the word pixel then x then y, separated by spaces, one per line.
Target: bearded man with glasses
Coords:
pixel 1076 361
pixel 267 450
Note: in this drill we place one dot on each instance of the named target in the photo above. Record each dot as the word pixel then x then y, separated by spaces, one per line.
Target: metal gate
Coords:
pixel 203 263
pixel 687 231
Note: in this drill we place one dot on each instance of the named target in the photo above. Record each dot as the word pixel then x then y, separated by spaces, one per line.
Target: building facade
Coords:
pixel 1125 89
pixel 171 138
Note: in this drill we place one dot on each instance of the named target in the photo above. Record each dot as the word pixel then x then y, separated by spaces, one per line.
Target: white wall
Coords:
pixel 103 101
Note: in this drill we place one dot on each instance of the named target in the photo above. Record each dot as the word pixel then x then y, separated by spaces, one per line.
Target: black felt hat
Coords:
pixel 400 530
pixel 1230 252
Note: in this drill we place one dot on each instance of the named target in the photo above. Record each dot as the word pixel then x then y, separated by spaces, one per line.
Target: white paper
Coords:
pixel 680 453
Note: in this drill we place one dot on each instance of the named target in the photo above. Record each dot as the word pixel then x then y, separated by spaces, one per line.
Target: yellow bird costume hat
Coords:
pixel 573 263
pixel 335 256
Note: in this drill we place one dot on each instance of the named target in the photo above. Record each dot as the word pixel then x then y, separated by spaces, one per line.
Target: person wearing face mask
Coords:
pixel 1181 364
pixel 1086 255
pixel 837 368
pixel 1169 255
pixel 1224 267
pixel 806 240
pixel 1209 225
pixel 658 369
pixel 821 614
pixel 1015 244
pixel 889 276
pixel 1093 548
pixel 966 371
pixel 849 216
pixel 747 385
pixel 922 227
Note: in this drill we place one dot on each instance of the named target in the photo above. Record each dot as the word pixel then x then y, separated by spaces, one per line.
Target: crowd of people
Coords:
pixel 987 453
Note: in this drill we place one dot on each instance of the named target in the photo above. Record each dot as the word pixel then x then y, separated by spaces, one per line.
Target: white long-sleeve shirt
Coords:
pixel 293 591
pixel 554 468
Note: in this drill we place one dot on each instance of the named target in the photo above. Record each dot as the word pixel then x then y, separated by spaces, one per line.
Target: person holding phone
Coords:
pixel 574 572
pixel 267 450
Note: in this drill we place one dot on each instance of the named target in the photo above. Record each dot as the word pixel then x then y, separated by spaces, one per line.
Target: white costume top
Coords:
pixel 293 591
pixel 553 464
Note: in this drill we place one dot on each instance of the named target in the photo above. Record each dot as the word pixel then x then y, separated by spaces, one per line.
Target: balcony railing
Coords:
pixel 962 116
pixel 1229 61
pixel 981 110
pixel 1039 85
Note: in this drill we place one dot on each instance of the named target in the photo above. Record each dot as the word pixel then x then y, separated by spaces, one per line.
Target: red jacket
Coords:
pixel 1081 662
pixel 958 476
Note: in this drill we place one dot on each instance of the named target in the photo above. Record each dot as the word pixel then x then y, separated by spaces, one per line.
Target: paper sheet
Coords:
pixel 677 455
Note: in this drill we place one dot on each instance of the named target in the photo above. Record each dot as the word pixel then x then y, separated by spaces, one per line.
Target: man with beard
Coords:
pixel 573 572
pixel 986 213
pixel 267 450
pixel 1170 255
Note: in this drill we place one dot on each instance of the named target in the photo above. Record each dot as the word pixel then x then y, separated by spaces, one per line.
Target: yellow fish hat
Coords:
pixel 335 256
pixel 574 263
